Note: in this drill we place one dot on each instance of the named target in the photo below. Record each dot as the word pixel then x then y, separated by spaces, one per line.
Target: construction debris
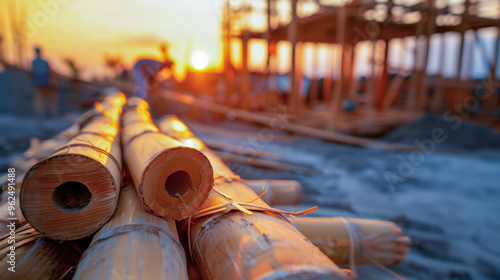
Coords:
pixel 134 245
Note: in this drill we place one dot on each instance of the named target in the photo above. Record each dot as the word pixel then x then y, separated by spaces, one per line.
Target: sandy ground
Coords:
pixel 447 202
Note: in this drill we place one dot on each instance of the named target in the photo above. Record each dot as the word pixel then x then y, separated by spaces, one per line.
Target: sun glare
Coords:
pixel 199 60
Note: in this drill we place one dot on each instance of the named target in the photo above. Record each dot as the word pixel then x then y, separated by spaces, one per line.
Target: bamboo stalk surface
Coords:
pixel 369 242
pixel 134 245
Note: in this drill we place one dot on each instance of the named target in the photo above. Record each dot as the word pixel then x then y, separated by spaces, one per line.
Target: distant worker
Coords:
pixel 44 90
pixel 147 81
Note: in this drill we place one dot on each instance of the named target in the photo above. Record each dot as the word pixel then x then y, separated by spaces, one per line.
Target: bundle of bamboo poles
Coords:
pixel 36 257
pixel 172 180
pixel 237 235
pixel 359 241
pixel 278 192
pixel 73 192
pixel 134 245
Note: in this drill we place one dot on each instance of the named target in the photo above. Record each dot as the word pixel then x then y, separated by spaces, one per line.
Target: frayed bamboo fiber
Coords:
pixel 134 245
pixel 279 192
pixel 172 180
pixel 245 244
pixel 39 258
pixel 73 192
pixel 373 242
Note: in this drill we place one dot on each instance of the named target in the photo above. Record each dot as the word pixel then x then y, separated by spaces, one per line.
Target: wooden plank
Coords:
pixel 332 118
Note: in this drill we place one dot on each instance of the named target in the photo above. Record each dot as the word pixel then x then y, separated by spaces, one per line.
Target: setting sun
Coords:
pixel 199 60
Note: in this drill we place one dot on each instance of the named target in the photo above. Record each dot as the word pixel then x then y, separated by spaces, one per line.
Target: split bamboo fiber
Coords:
pixel 367 242
pixel 172 180
pixel 278 192
pixel 134 245
pixel 40 258
pixel 73 192
pixel 251 242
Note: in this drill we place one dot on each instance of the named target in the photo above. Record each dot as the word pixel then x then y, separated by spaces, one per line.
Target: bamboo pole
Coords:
pixel 292 36
pixel 134 245
pixel 335 101
pixel 172 180
pixel 39 258
pixel 279 192
pixel 73 192
pixel 219 145
pixel 366 242
pixel 248 243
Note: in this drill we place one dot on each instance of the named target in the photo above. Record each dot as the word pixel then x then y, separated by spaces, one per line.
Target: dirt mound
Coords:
pixel 457 133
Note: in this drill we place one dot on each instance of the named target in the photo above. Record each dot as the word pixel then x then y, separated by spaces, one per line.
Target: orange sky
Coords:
pixel 86 29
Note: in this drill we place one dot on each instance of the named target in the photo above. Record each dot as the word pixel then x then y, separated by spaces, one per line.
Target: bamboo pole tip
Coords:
pixel 176 183
pixel 68 197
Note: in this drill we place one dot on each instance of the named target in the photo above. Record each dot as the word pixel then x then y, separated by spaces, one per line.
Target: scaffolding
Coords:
pixel 391 94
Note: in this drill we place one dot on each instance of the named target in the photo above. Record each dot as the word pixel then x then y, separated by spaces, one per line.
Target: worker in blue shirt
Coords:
pixel 44 89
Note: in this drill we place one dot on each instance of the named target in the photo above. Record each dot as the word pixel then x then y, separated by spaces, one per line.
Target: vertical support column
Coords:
pixel 431 28
pixel 327 82
pixel 438 98
pixel 332 117
pixel 412 95
pixel 382 82
pixel 245 74
pixel 496 50
pixel 460 54
pixel 293 97
pixel 314 79
pixel 373 79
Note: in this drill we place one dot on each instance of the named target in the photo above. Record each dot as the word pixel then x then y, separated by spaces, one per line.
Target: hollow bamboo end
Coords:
pixel 176 183
pixel 68 197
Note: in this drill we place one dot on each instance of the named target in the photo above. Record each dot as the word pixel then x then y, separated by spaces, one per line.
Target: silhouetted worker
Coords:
pixel 147 83
pixel 44 89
